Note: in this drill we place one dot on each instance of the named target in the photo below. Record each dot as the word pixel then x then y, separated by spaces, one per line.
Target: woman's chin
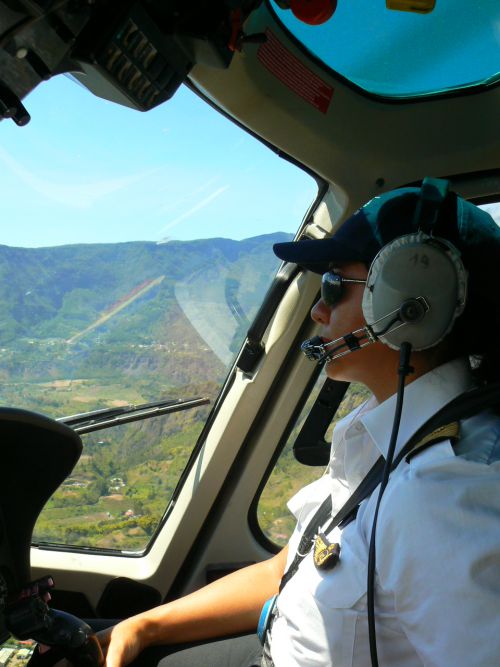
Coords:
pixel 336 370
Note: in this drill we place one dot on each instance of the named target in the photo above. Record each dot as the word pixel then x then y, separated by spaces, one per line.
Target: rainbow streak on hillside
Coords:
pixel 124 302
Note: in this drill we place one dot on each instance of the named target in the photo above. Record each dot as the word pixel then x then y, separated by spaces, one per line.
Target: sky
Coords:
pixel 86 170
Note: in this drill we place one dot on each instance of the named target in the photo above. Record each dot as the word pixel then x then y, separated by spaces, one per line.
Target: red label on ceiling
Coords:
pixel 278 60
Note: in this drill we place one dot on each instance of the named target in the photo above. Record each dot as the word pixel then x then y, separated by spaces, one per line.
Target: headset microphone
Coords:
pixel 316 349
pixel 411 311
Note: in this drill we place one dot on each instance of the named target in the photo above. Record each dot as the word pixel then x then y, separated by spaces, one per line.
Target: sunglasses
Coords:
pixel 332 287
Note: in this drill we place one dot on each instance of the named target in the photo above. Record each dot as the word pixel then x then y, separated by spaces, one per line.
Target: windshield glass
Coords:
pixel 138 251
pixel 406 54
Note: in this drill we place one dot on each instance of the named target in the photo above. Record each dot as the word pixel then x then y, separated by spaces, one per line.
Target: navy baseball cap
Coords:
pixel 471 230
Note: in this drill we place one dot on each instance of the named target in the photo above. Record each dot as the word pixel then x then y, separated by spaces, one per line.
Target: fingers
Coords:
pixel 43 648
pixel 117 644
pixel 104 638
pixel 120 643
pixel 113 658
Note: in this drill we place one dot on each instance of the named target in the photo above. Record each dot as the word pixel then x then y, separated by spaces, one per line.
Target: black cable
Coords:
pixel 404 370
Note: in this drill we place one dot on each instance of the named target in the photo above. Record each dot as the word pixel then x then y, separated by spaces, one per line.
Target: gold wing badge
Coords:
pixel 326 554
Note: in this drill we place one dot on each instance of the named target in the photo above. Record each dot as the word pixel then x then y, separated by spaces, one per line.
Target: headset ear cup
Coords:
pixel 421 280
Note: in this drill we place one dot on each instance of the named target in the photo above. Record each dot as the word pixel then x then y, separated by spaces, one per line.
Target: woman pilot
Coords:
pixel 414 266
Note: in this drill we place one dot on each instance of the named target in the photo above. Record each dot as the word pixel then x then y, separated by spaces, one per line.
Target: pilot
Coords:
pixel 415 269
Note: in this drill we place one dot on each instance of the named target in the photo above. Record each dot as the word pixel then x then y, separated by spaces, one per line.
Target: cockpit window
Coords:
pixel 137 251
pixel 404 54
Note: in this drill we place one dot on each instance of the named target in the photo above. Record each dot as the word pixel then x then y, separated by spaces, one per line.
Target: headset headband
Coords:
pixel 433 194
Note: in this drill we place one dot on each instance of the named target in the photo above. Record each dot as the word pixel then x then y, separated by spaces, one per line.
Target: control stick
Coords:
pixel 29 617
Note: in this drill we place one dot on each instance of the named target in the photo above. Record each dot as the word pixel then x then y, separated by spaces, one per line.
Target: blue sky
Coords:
pixel 85 170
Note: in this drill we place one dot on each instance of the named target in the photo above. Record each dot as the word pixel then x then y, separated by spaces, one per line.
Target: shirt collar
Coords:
pixel 422 399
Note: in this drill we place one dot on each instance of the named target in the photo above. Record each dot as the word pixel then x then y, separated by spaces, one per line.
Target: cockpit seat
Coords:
pixel 36 453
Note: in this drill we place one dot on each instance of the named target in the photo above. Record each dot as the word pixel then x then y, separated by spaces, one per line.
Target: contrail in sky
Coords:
pixel 194 209
pixel 185 198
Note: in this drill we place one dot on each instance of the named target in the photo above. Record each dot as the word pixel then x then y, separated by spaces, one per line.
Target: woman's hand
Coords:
pixel 228 606
pixel 122 642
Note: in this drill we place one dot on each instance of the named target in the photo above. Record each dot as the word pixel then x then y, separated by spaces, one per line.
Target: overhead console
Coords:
pixel 134 53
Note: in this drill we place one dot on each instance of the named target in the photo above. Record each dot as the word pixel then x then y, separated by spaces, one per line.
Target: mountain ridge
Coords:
pixel 133 318
pixel 41 287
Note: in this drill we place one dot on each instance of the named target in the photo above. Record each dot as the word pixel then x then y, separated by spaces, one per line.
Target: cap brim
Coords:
pixel 317 256
pixel 354 241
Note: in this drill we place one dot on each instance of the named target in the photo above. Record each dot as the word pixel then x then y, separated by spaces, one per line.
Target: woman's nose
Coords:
pixel 320 312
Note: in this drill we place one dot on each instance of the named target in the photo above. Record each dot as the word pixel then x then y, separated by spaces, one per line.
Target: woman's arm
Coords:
pixel 227 606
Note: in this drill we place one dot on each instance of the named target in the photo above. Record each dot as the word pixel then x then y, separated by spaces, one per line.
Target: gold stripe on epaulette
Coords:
pixel 449 431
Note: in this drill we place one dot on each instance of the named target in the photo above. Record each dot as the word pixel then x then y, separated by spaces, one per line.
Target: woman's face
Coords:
pixel 343 318
pixel 375 365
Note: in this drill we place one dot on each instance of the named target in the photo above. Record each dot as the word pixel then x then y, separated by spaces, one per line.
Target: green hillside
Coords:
pixel 168 313
pixel 54 293
pixel 86 327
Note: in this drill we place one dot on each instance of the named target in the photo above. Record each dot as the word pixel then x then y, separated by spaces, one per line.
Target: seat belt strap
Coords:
pixel 349 510
pixel 366 486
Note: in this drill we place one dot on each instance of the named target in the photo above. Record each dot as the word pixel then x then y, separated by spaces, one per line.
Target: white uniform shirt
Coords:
pixel 438 545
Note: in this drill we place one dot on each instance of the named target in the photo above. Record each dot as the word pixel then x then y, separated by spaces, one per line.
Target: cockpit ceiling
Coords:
pixel 362 143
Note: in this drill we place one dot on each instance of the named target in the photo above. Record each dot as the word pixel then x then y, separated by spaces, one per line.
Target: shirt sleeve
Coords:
pixel 438 554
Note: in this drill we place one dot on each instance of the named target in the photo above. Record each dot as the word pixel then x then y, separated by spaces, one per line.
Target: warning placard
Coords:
pixel 278 60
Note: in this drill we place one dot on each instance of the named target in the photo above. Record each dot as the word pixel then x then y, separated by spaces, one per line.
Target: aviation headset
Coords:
pixel 416 286
pixel 418 277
